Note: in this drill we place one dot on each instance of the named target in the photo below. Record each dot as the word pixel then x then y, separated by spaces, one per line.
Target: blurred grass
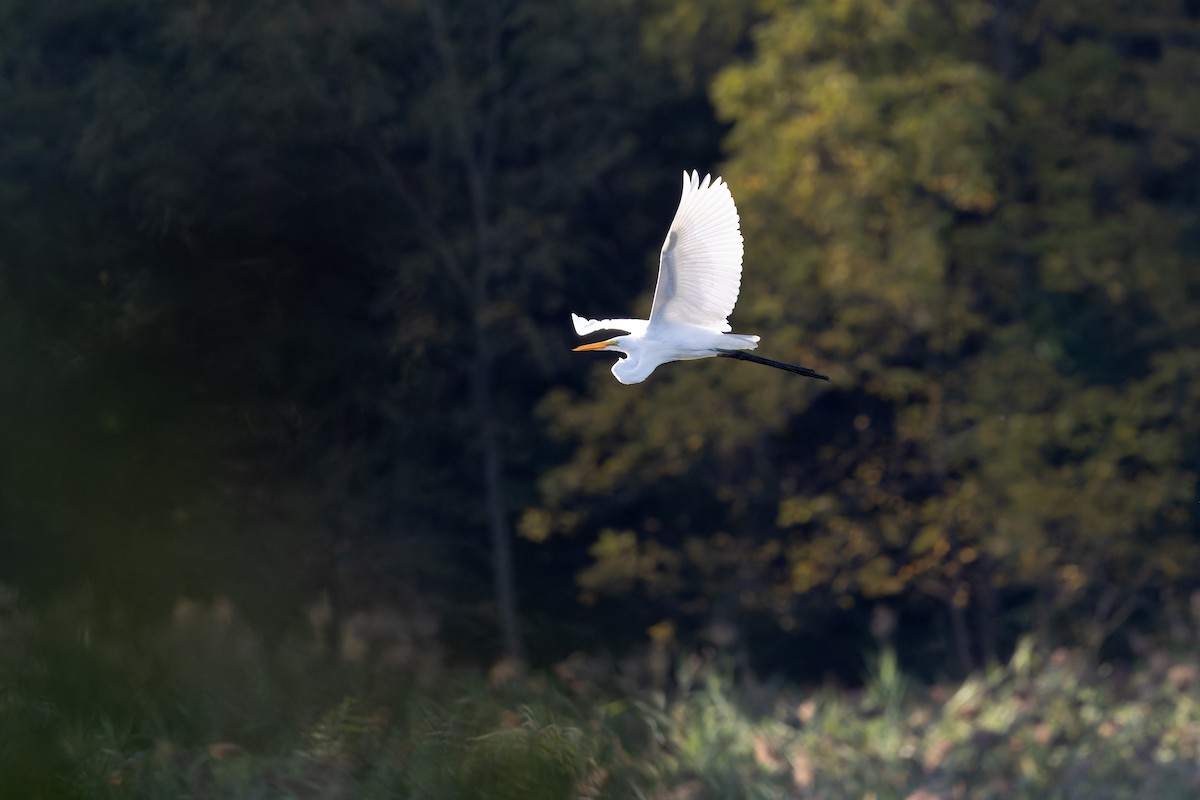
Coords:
pixel 202 708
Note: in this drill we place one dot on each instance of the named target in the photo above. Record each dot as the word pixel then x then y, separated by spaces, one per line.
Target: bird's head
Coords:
pixel 632 366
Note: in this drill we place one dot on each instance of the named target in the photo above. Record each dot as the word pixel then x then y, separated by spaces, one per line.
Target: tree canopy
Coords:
pixel 284 298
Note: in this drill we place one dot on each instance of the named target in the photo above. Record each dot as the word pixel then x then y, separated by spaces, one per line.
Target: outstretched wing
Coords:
pixel 585 326
pixel 700 269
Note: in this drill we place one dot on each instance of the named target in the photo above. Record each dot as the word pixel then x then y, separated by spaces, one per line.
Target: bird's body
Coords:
pixel 650 344
pixel 699 275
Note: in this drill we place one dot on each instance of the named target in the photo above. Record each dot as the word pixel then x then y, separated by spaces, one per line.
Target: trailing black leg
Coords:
pixel 742 355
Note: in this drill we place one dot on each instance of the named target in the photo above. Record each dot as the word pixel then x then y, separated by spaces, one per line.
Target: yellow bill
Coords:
pixel 594 346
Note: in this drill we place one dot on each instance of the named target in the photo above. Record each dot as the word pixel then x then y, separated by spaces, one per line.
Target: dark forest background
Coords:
pixel 284 332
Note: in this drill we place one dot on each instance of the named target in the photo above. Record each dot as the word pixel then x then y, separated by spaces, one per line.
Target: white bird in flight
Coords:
pixel 699 274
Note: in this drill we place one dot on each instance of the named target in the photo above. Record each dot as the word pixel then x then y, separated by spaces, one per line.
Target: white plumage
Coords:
pixel 699 276
pixel 700 268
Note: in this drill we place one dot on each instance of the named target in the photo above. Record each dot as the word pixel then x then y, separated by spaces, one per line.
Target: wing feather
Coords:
pixel 700 268
pixel 585 326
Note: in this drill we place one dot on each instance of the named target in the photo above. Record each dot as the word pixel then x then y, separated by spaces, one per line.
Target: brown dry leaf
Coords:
pixel 919 718
pixel 591 785
pixel 765 753
pixel 692 790
pixel 803 773
pixel 219 751
pixel 1182 676
pixel 503 672
pixel 936 753
pixel 924 794
pixel 806 711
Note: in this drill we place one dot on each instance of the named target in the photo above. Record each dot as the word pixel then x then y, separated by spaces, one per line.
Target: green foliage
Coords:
pixel 981 224
pixel 258 720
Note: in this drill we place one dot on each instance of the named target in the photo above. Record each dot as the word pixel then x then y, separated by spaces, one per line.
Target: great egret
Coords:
pixel 699 274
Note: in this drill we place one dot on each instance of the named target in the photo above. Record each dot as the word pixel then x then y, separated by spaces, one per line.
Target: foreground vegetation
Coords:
pixel 205 709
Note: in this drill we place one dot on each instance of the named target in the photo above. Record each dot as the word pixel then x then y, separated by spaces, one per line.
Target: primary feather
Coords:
pixel 585 326
pixel 700 268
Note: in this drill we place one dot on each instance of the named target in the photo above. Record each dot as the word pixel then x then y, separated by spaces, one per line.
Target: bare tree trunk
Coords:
pixel 962 636
pixel 1002 40
pixel 476 154
pixel 482 398
pixel 1045 618
pixel 986 615
pixel 958 610
pixel 1113 608
pixel 503 572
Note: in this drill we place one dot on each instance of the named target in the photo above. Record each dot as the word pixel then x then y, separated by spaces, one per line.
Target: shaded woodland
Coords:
pixel 284 331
